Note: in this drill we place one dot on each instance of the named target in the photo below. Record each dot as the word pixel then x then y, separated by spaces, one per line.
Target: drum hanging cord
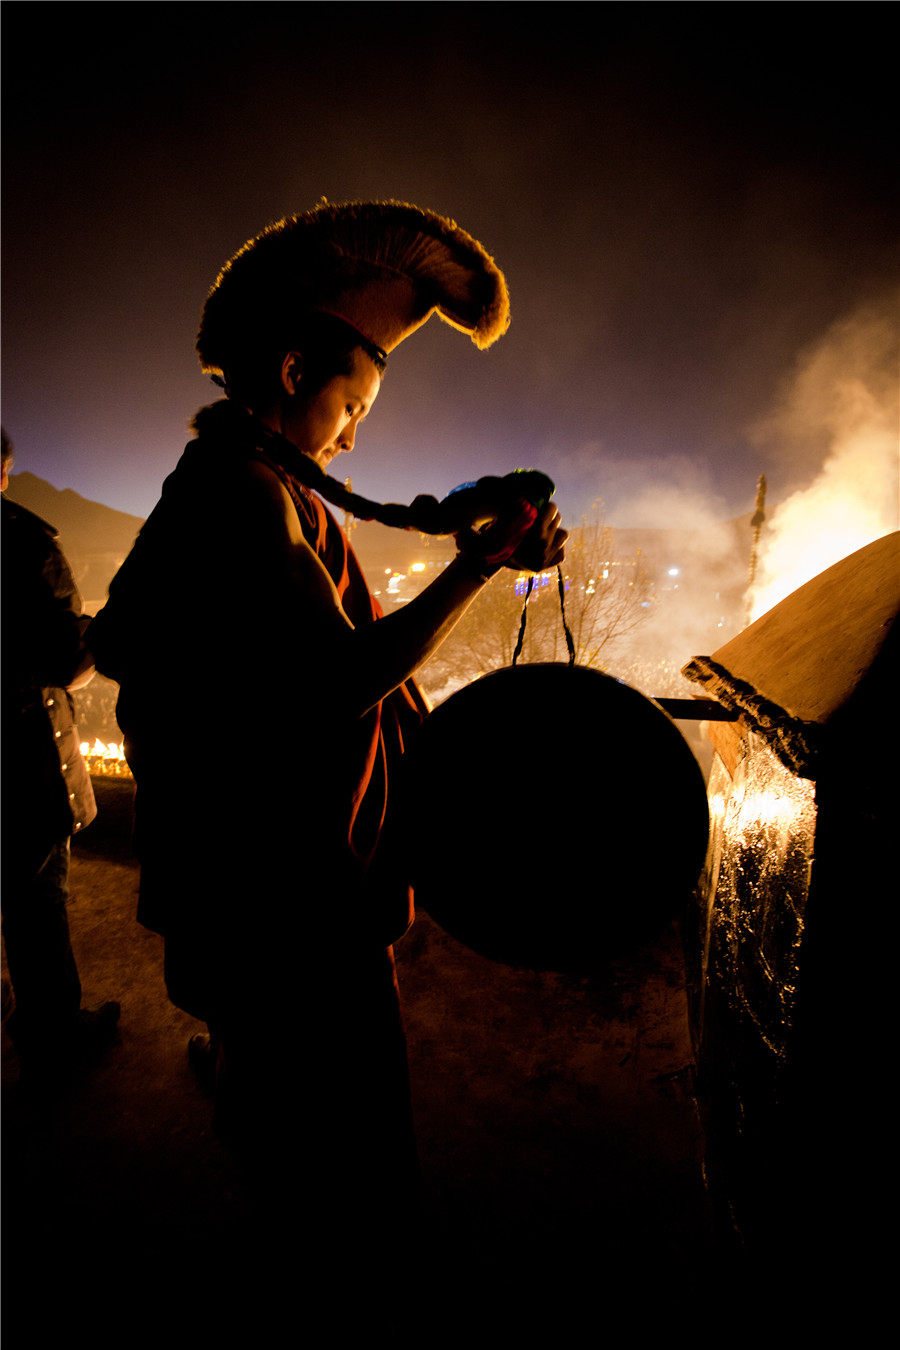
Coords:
pixel 562 608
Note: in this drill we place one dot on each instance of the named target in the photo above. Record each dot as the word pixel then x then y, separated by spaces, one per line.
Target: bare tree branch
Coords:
pixel 607 597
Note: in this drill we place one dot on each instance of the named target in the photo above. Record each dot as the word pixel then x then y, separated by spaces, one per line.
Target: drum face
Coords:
pixel 556 817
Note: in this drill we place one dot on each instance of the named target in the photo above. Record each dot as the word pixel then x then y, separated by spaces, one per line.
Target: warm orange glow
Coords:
pixel 106 759
pixel 809 545
pixel 848 393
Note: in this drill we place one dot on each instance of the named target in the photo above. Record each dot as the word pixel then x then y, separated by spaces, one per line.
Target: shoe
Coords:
pixel 203 1060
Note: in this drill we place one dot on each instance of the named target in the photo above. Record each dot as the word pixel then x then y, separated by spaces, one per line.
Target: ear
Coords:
pixel 292 372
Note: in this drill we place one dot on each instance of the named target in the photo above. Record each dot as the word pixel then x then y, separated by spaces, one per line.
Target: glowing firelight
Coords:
pixel 847 393
pixel 808 543
pixel 107 759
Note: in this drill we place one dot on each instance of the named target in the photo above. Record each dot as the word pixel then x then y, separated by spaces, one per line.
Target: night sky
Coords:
pixel 688 202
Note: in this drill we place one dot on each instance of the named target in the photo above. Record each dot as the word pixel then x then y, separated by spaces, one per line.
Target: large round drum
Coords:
pixel 556 817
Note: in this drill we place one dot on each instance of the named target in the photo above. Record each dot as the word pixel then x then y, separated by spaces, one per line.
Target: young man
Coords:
pixel 243 622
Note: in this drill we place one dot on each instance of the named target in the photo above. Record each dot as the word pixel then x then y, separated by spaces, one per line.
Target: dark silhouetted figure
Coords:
pixel 272 866
pixel 47 794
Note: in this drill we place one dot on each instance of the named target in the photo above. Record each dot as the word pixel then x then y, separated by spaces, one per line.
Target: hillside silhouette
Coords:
pixel 96 539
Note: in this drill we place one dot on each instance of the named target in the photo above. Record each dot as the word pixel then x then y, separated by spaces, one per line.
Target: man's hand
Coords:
pixel 545 544
pixel 512 522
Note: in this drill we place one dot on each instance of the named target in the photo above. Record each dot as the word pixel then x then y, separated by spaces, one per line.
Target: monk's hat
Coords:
pixel 384 267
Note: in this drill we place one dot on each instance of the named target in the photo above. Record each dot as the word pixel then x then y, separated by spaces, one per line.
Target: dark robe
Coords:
pixel 262 825
pixel 261 812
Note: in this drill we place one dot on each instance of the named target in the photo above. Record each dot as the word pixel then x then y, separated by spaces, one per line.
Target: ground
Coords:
pixel 556 1118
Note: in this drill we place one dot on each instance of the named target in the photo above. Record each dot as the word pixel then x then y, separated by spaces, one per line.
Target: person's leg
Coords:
pixel 42 967
pixel 48 1025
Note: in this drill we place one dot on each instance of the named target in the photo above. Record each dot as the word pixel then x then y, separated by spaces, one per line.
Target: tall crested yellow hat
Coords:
pixel 385 267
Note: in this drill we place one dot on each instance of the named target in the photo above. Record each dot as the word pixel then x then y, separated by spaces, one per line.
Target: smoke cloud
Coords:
pixel 841 405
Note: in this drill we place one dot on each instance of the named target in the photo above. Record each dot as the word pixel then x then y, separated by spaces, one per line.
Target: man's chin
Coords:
pixel 320 457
